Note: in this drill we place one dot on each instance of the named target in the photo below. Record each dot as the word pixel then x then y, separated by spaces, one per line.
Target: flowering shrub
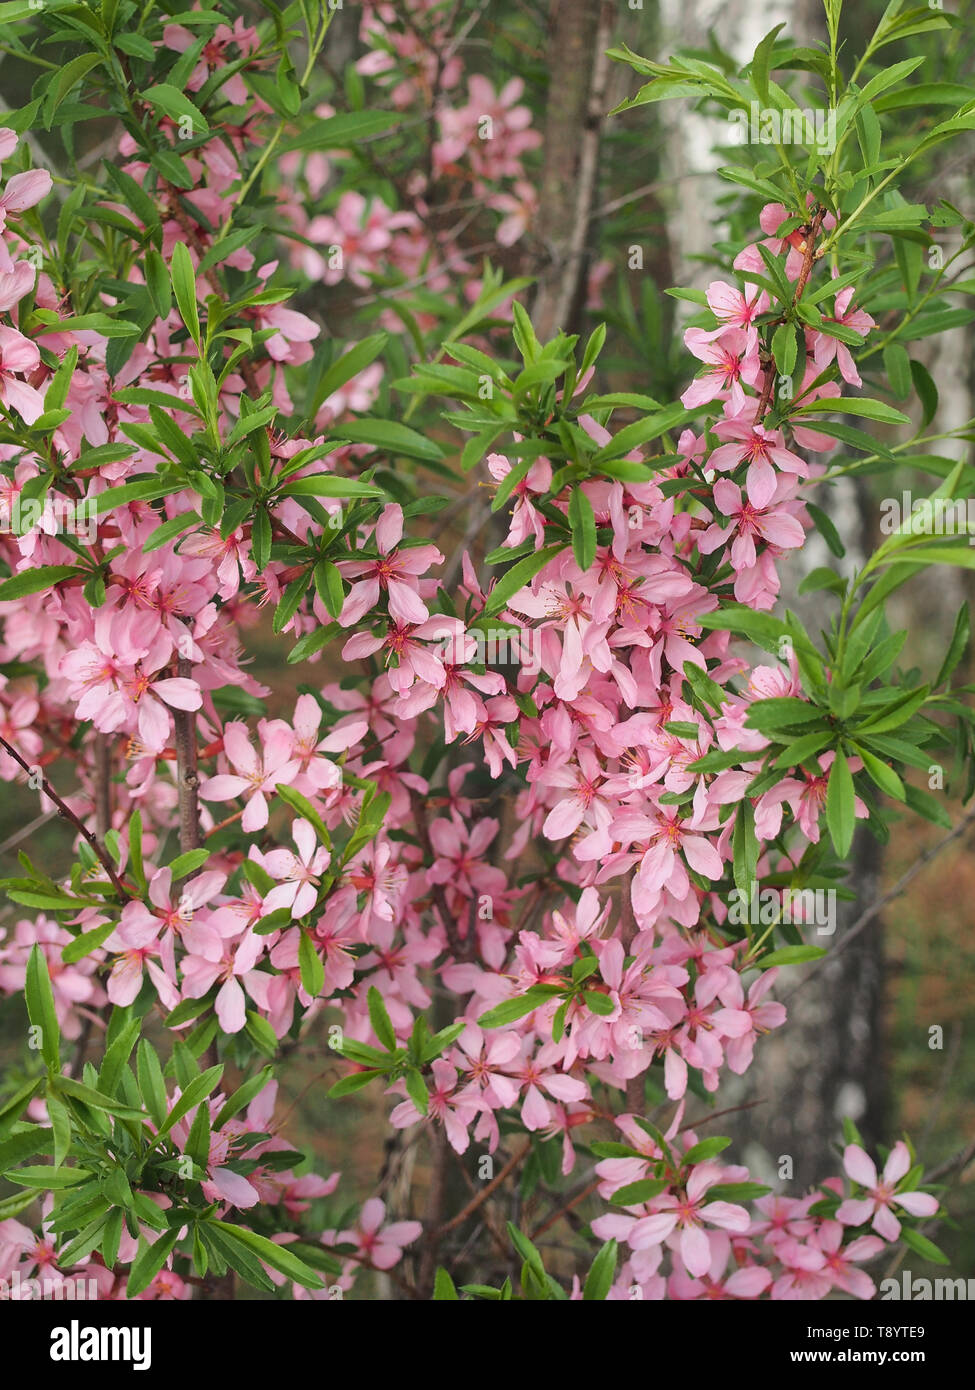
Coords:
pixel 506 890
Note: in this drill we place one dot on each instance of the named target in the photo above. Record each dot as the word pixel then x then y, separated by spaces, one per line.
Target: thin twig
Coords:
pixel 492 1186
pixel 874 910
pixel 64 810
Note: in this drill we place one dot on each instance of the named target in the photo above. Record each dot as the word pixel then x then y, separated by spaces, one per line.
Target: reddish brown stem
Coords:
pixel 64 810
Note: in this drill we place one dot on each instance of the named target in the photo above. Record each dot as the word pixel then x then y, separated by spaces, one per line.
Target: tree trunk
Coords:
pixel 580 35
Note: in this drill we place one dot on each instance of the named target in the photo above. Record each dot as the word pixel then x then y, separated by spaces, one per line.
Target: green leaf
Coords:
pixel 40 1008
pixel 14 1205
pixel 840 809
pixel 926 390
pixel 517 577
pixel 897 365
pixel 33 581
pixel 310 966
pixel 149 1261
pixel 642 432
pixel 634 1194
pixel 171 102
pixel 279 1257
pixel 602 1271
pixel 392 438
pixel 736 1192
pixel 151 1084
pixel 882 774
pixel 582 521
pixel 923 804
pixel 957 647
pixel 444 1289
pixel 705 1150
pixel 57 1113
pixel 192 1094
pixel 380 1020
pixel 745 848
pixel 343 131
pixel 184 288
pixel 329 485
pixel 48 1177
pixel 824 525
pixel 77 1090
pixel 785 348
pixel 792 955
pixel 512 1009
pixel 350 1084
pixel 347 366
pixel 417 1091
pixel 328 583
pixel 922 1246
pixel 187 863
pixel 856 405
pixel 598 1003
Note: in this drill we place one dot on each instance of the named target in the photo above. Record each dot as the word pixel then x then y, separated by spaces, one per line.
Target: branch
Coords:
pixel 874 910
pixel 482 1196
pixel 64 810
pixel 187 778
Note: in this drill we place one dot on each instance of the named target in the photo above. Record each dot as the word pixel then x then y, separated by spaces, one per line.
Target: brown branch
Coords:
pixel 563 1211
pixel 187 777
pixel 874 910
pixel 732 1110
pixel 64 810
pixel 482 1196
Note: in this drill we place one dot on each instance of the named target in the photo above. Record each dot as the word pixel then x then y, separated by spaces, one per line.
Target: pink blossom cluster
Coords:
pixel 640 843
pixel 688 1242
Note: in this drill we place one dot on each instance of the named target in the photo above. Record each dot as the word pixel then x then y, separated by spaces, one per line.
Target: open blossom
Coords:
pixel 299 873
pixel 749 522
pixel 19 357
pixel 882 1195
pixel 685 1216
pixel 256 777
pixel 381 1246
pixel 392 573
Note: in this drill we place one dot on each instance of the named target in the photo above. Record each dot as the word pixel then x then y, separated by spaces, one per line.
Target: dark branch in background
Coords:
pixel 64 810
pixel 573 128
pixel 187 777
pixel 486 1192
pixel 874 910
